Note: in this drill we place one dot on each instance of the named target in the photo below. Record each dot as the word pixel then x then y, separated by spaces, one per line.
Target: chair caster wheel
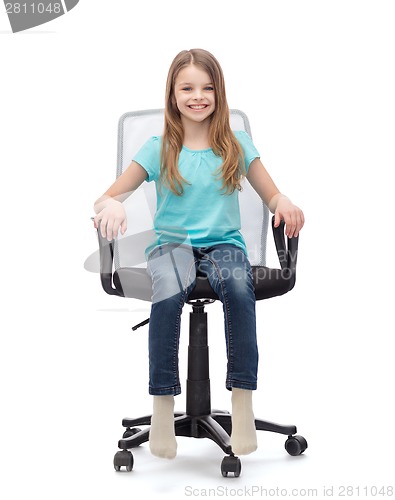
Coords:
pixel 295 445
pixel 130 432
pixel 125 458
pixel 231 464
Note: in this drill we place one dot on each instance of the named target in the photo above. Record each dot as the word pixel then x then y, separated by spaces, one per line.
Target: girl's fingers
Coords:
pixel 103 227
pixel 277 218
pixel 299 223
pixel 110 230
pixel 290 225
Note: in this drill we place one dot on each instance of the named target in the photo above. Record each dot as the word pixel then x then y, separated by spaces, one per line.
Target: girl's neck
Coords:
pixel 196 135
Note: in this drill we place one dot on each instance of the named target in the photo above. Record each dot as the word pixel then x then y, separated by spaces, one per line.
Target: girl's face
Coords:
pixel 194 94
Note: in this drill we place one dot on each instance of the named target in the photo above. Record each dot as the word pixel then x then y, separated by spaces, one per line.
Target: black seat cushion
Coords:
pixel 134 282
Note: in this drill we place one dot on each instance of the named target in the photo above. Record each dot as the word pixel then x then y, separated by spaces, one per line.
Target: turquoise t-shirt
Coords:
pixel 203 215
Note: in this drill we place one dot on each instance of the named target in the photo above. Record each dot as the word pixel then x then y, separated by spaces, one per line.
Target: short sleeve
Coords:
pixel 149 158
pixel 249 150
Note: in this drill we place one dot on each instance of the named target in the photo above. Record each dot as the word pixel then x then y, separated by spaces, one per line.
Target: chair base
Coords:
pixel 216 426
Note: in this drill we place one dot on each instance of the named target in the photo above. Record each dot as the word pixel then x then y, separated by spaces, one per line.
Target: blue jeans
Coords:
pixel 173 271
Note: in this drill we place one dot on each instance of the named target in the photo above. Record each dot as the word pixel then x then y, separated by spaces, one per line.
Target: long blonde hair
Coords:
pixel 221 138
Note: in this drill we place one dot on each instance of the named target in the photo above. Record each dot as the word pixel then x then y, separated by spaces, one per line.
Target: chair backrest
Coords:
pixel 134 129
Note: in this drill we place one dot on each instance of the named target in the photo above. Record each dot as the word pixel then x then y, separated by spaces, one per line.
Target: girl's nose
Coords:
pixel 197 94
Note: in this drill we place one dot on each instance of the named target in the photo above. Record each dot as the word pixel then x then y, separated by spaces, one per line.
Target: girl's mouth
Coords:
pixel 198 106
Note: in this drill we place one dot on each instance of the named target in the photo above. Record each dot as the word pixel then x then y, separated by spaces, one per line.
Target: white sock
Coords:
pixel 162 438
pixel 243 439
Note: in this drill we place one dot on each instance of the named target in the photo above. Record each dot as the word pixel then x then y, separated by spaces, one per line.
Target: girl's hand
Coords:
pixel 291 214
pixel 112 218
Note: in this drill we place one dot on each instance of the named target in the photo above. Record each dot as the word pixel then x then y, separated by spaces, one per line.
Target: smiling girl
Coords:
pixel 198 165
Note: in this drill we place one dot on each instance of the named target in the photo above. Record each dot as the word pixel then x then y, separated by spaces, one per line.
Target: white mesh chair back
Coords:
pixel 134 129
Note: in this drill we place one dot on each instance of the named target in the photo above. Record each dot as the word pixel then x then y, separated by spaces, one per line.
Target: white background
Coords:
pixel 316 79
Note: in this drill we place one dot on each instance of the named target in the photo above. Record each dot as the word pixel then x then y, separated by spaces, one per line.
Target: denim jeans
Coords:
pixel 173 270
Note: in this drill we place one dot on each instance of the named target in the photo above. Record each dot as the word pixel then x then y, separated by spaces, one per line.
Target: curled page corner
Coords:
pixel 26 15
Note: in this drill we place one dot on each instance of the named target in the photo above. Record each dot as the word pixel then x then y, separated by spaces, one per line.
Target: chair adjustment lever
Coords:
pixel 145 322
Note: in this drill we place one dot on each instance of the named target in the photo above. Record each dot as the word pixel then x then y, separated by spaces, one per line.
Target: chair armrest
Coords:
pixel 106 251
pixel 287 253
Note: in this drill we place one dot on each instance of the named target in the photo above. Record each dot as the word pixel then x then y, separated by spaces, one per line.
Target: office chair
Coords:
pixel 123 273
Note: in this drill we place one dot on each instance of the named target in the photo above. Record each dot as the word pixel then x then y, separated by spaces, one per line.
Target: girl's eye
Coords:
pixel 209 88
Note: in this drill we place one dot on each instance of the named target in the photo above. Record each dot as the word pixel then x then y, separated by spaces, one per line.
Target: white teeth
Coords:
pixel 198 107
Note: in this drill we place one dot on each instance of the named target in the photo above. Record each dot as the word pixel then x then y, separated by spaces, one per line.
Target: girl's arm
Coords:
pixel 109 209
pixel 278 204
